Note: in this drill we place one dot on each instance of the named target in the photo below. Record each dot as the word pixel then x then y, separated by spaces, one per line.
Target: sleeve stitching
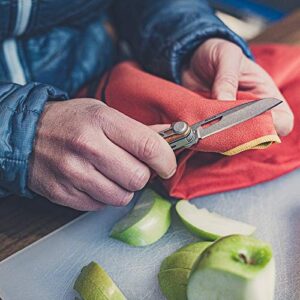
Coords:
pixel 14 159
pixel 3 106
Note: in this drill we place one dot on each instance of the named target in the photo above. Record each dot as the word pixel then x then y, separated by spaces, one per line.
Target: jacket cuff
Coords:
pixel 20 109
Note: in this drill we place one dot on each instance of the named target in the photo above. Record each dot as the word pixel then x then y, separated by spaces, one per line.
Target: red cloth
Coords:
pixel 152 100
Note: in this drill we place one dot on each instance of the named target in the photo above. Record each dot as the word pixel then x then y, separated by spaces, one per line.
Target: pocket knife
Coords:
pixel 182 135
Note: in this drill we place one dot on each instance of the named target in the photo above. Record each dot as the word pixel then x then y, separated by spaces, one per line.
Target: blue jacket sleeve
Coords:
pixel 162 33
pixel 30 17
pixel 20 108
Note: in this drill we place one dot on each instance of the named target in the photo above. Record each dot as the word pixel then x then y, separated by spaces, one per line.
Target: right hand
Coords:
pixel 221 68
pixel 87 154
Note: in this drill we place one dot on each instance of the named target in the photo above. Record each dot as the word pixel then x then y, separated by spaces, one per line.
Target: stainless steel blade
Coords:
pixel 235 116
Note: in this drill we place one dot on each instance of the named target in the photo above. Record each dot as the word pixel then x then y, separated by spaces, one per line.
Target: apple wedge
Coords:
pixel 176 268
pixel 207 225
pixel 233 268
pixel 185 257
pixel 93 283
pixel 146 223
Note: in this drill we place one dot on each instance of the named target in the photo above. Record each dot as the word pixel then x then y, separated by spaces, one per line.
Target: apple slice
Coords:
pixel 207 225
pixel 146 223
pixel 93 283
pixel 234 268
pixel 185 257
pixel 176 268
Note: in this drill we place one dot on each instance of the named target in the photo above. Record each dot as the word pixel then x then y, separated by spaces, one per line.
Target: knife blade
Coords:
pixel 235 116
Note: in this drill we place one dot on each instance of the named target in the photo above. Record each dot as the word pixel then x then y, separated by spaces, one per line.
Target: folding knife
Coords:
pixel 182 135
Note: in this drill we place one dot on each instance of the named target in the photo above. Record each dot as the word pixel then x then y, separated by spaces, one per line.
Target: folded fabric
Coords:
pixel 153 100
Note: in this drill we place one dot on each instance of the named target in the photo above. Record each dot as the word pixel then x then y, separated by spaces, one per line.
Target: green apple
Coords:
pixel 185 257
pixel 93 283
pixel 196 247
pixel 176 268
pixel 207 225
pixel 146 223
pixel 235 267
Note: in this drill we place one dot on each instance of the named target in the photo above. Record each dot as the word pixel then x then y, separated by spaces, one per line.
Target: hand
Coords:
pixel 87 154
pixel 220 68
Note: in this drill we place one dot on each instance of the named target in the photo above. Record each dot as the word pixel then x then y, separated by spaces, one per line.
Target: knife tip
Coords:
pixel 273 101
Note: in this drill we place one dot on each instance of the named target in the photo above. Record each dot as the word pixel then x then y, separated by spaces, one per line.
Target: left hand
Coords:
pixel 220 68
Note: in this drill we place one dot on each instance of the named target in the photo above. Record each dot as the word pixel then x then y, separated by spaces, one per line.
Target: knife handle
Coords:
pixel 179 135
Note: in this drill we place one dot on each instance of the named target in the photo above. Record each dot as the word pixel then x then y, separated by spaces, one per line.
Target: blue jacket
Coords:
pixel 49 49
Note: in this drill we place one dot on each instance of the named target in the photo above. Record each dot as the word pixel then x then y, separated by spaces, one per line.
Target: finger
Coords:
pixel 102 189
pixel 142 142
pixel 82 201
pixel 82 175
pixel 283 121
pixel 263 86
pixel 282 114
pixel 119 166
pixel 226 81
pixel 283 117
pixel 159 127
pixel 68 195
pixel 193 82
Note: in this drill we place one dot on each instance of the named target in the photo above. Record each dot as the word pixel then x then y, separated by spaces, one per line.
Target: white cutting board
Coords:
pixel 47 269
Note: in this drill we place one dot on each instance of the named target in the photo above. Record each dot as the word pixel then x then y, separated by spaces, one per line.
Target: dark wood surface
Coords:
pixel 24 221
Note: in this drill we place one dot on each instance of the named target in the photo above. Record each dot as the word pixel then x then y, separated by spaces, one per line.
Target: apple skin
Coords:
pixel 208 236
pixel 205 235
pixel 185 257
pixel 93 283
pixel 146 223
pixel 176 268
pixel 173 283
pixel 235 267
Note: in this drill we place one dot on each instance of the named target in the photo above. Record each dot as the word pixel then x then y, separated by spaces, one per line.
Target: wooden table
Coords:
pixel 24 221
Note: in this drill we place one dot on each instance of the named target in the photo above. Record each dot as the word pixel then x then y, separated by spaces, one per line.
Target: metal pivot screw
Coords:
pixel 180 127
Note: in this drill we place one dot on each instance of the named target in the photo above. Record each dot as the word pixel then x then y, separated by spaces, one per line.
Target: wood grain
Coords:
pixel 24 221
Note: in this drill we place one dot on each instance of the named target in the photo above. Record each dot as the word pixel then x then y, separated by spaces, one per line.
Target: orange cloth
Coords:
pixel 152 100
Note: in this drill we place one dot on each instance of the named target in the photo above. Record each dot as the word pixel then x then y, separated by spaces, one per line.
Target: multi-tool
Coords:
pixel 182 135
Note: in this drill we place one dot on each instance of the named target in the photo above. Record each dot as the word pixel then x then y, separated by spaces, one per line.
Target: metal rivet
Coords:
pixel 180 127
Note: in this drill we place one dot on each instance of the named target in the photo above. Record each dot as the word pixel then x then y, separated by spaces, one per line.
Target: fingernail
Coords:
pixel 170 174
pixel 226 97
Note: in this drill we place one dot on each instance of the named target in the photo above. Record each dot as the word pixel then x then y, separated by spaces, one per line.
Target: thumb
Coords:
pixel 226 81
pixel 159 127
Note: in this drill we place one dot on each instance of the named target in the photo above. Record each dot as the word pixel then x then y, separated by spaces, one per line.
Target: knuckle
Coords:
pixel 80 143
pixel 53 193
pixel 139 179
pixel 65 166
pixel 232 48
pixel 149 148
pixel 76 176
pixel 104 119
pixel 99 112
pixel 230 79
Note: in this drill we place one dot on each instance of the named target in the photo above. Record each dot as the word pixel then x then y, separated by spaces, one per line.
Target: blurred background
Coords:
pixel 249 17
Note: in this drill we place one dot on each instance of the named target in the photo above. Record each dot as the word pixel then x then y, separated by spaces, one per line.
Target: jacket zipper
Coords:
pixel 10 48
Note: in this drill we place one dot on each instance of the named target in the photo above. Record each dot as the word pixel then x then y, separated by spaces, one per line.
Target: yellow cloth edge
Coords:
pixel 259 143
